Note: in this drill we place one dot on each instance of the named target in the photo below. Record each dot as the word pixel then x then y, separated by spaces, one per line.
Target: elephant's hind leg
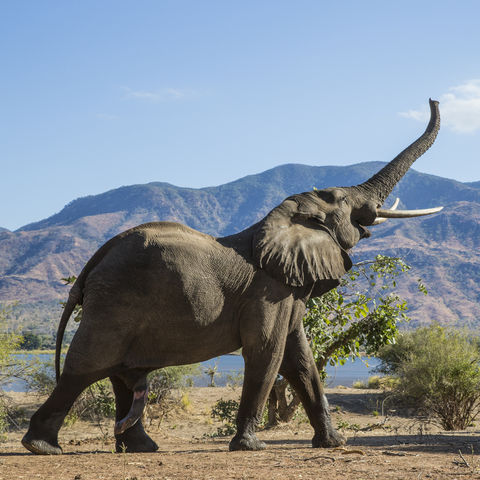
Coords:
pixel 130 435
pixel 42 435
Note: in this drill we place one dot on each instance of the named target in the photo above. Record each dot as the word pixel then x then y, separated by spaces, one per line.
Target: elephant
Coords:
pixel 163 294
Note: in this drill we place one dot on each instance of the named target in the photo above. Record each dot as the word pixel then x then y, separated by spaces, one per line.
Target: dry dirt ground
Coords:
pixel 377 448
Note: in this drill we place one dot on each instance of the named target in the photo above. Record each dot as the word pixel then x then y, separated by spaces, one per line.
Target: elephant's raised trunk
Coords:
pixel 382 183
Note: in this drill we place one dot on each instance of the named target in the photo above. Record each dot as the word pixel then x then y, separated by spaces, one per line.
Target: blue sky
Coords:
pixel 95 95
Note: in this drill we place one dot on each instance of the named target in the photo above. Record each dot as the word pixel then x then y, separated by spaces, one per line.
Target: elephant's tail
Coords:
pixel 74 298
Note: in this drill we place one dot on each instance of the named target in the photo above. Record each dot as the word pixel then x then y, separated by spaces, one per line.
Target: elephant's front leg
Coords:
pixel 260 372
pixel 298 367
pixel 263 353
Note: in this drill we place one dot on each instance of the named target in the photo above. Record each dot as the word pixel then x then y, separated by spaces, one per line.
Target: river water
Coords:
pixel 229 369
pixel 342 375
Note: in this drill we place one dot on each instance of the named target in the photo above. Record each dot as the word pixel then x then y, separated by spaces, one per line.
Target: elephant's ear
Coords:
pixel 297 248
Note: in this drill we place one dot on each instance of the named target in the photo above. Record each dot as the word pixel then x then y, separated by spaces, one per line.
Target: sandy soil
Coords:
pixel 377 448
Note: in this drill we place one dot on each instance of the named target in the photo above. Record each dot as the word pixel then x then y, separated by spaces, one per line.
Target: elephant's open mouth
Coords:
pixel 364 232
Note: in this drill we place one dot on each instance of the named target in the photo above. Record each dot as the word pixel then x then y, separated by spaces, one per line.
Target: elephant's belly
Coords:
pixel 177 341
pixel 172 328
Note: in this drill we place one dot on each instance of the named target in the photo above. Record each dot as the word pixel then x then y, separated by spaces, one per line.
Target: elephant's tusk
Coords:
pixel 408 213
pixel 380 220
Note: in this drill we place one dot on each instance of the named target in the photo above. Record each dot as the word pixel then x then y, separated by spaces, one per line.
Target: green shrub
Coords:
pixel 438 373
pixel 96 402
pixel 359 316
pixel 360 384
pixel 33 341
pixel 374 382
pixel 42 377
pixel 226 411
pixel 345 425
pixel 166 390
pixel 3 421
pixel 164 380
pixel 394 354
pixel 10 367
pixel 235 380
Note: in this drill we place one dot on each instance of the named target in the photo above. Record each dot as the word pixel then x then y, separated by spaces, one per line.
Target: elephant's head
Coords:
pixel 306 238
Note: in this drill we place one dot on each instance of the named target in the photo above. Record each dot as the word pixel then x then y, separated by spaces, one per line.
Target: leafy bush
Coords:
pixel 360 315
pixel 235 380
pixel 375 382
pixel 393 355
pixel 438 374
pixel 167 390
pixel 33 341
pixel 359 384
pixel 10 368
pixel 9 342
pixel 42 377
pixel 345 425
pixel 164 380
pixel 3 421
pixel 95 403
pixel 226 411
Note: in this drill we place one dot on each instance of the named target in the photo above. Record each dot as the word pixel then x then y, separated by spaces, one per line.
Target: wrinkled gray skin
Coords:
pixel 163 294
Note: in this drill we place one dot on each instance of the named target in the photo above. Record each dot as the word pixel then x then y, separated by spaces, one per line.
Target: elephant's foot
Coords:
pixel 246 442
pixel 40 447
pixel 134 440
pixel 329 440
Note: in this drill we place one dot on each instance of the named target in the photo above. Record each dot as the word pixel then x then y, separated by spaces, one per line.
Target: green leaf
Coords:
pixel 359 315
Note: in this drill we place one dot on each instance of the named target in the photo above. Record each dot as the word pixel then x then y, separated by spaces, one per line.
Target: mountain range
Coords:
pixel 442 249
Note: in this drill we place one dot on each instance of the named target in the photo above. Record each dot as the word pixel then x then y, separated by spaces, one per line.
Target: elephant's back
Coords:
pixel 161 267
pixel 136 256
pixel 164 232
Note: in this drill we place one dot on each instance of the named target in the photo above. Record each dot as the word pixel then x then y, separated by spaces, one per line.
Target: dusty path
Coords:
pixel 401 449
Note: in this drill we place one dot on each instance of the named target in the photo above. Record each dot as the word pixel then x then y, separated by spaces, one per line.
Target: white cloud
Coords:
pixel 460 108
pixel 156 96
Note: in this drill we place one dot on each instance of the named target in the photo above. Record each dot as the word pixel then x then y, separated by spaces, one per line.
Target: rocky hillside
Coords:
pixel 443 249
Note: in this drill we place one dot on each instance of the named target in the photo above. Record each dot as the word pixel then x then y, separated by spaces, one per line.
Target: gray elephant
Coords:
pixel 163 294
